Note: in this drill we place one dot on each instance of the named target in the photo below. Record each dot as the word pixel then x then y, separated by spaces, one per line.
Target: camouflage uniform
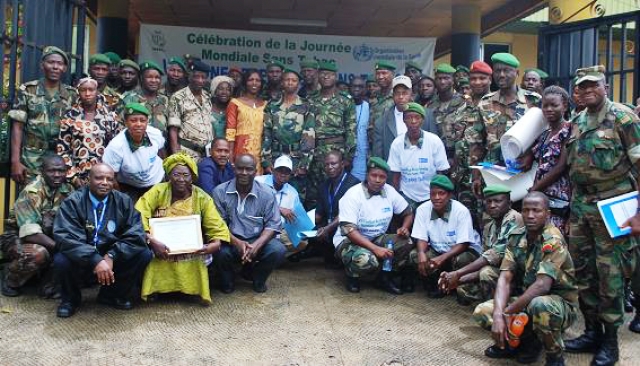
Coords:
pixel 41 115
pixel 376 110
pixel 359 261
pixel 159 108
pixel 445 117
pixel 335 129
pixel 495 239
pixel 550 314
pixel 289 131
pixel 601 151
pixel 33 213
pixel 112 98
pixel 498 117
pixel 193 121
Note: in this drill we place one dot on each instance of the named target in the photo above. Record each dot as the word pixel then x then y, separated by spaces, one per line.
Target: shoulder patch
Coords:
pixel 548 247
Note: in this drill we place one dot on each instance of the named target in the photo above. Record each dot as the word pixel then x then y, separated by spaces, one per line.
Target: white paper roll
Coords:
pixel 523 134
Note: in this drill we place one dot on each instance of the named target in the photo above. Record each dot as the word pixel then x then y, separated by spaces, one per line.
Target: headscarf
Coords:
pixel 88 79
pixel 180 158
pixel 219 80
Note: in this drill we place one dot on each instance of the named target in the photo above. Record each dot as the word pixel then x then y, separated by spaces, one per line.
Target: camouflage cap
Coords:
pixel 328 66
pixel 445 68
pixel 309 63
pixel 415 107
pixel 136 108
pixel 592 73
pixel 177 61
pixel 50 50
pixel 114 57
pixel 505 58
pixel 385 65
pixel 129 63
pixel 376 162
pixel 151 65
pixel 442 181
pixel 99 58
pixel 495 189
pixel 412 65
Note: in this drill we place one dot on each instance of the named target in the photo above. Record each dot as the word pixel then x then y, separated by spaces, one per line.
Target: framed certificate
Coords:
pixel 181 234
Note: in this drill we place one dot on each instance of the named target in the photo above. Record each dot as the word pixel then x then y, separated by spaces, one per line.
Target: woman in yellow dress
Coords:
pixel 245 119
pixel 183 273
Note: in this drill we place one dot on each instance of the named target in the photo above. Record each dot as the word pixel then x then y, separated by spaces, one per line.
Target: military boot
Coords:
pixel 607 354
pixel 530 346
pixel 408 280
pixel 589 341
pixel 634 326
pixel 386 283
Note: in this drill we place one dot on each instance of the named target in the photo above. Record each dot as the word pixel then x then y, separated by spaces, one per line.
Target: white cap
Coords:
pixel 283 161
pixel 401 80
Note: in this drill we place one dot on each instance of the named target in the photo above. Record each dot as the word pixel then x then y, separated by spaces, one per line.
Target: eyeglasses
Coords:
pixel 183 176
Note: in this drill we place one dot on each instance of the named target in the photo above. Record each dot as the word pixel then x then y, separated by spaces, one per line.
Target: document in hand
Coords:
pixel 302 223
pixel 616 210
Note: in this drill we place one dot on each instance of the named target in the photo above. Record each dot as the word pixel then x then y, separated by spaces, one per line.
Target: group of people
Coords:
pixel 385 162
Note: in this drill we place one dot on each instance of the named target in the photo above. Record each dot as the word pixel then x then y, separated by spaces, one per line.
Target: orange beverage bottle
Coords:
pixel 516 328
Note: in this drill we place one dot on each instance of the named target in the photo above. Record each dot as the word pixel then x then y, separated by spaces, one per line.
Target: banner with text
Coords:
pixel 247 49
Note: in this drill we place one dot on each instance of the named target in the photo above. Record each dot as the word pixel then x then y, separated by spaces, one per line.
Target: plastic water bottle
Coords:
pixel 387 265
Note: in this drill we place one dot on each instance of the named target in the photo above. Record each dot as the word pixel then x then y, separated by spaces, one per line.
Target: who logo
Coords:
pixel 362 53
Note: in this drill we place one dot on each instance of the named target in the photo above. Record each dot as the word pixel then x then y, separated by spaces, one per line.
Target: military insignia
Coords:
pixel 548 248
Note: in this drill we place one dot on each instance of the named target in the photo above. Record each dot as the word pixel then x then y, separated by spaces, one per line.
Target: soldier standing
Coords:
pixel 148 94
pixel 445 105
pixel 384 77
pixel 99 69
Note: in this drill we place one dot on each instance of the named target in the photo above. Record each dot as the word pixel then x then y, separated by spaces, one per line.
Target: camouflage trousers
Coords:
pixel 550 316
pixel 484 288
pixel 359 261
pixel 25 260
pixel 455 263
pixel 601 264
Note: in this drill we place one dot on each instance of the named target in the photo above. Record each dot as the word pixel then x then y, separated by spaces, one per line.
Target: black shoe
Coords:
pixel 353 284
pixel 9 291
pixel 247 273
pixel 115 302
pixel 408 283
pixel 588 342
pixel 530 349
pixel 497 352
pixel 634 326
pixel 431 287
pixel 386 283
pixel 554 360
pixel 66 309
pixel 227 289
pixel 259 287
pixel 608 352
pixel 294 258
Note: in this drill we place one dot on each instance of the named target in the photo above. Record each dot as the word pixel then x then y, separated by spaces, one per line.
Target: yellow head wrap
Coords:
pixel 180 158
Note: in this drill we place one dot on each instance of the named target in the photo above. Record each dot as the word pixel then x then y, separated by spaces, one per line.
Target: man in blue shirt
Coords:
pixel 358 92
pixel 215 169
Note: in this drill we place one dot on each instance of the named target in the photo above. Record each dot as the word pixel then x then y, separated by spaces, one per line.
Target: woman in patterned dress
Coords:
pixel 85 132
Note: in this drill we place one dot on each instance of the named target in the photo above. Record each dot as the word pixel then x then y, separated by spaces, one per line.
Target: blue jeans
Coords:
pixel 268 258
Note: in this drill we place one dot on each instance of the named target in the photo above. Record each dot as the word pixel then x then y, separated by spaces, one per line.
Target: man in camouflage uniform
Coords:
pixel 461 73
pixel 414 72
pixel 99 69
pixel 445 106
pixel 384 77
pixel 36 115
pixel 373 89
pixel 365 214
pixel 190 120
pixel 602 151
pixel 309 73
pixel 28 239
pixel 148 94
pixel 477 280
pixel 176 77
pixel 335 127
pixel 273 89
pixel 113 80
pixel 469 149
pixel 289 130
pixel 538 265
pixel 129 76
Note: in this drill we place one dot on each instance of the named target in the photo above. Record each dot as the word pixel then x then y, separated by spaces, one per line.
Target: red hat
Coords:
pixel 481 67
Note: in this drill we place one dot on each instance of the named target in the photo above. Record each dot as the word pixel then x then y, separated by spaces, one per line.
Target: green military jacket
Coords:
pixel 335 123
pixel 499 116
pixel 112 98
pixel 159 108
pixel 547 255
pixel 289 130
pixel 495 238
pixel 41 114
pixel 376 110
pixel 445 114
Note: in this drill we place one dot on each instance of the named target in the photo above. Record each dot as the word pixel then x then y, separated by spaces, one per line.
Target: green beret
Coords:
pixel 445 68
pixel 412 64
pixel 371 79
pixel 542 74
pixel 129 63
pixel 495 189
pixel 441 181
pixel 277 63
pixel 328 66
pixel 463 81
pixel 385 65
pixel 99 58
pixel 415 107
pixel 50 50
pixel 505 58
pixel 309 64
pixel 150 65
pixel 376 162
pixel 114 57
pixel 462 68
pixel 177 61
pixel 287 70
pixel 135 108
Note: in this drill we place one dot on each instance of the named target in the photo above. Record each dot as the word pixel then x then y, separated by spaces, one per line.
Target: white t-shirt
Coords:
pixel 401 127
pixel 417 165
pixel 443 234
pixel 372 216
pixel 142 168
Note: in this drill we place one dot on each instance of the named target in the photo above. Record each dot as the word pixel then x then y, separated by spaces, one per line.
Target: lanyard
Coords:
pixel 333 196
pixel 98 222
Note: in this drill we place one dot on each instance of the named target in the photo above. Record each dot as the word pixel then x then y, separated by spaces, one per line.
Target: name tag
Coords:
pixel 423 160
pixel 451 233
